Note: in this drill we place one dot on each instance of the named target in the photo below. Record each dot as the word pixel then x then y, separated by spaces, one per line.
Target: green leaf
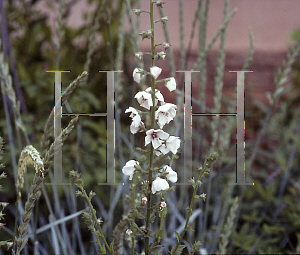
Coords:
pixel 111 246
pixel 179 250
pixel 190 228
pixel 159 234
pixel 177 236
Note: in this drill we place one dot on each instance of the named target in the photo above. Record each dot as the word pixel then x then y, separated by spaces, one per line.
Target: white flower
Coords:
pixel 144 99
pixel 134 129
pixel 128 169
pixel 159 184
pixel 136 118
pixel 173 144
pixel 155 71
pixel 154 136
pixel 172 175
pixel 158 96
pixel 137 76
pixel 165 114
pixel 171 84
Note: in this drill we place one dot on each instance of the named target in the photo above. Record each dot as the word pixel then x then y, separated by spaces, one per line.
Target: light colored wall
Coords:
pixel 271 21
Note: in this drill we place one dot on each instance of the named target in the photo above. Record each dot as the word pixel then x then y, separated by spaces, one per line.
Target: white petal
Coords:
pixel 159 184
pixel 159 96
pixel 128 169
pixel 137 120
pixel 144 99
pixel 137 76
pixel 132 110
pixel 133 128
pixel 155 71
pixel 156 143
pixel 172 175
pixel 157 153
pixel 162 134
pixel 162 119
pixel 173 144
pixel 171 84
pixel 147 140
pixel 163 149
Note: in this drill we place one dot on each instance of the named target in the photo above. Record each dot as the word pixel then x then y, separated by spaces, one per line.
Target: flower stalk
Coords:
pixel 203 171
pixel 152 127
pixel 92 213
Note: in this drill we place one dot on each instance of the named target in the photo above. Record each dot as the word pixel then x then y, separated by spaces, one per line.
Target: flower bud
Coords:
pixel 155 71
pixel 164 20
pixel 161 55
pixel 144 200
pixel 146 34
pixel 137 11
pixel 149 33
pixel 166 46
pixel 129 231
pixel 139 55
pixel 163 204
pixel 159 3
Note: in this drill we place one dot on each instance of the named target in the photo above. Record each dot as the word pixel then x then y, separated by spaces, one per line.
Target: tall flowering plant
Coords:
pixel 155 179
pixel 149 180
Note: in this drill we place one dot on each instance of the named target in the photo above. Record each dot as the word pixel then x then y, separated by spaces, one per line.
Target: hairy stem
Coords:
pixel 152 126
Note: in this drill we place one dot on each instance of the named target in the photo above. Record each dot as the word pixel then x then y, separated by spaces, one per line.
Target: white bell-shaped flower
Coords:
pixel 136 118
pixel 144 99
pixel 159 184
pixel 172 175
pixel 173 144
pixel 137 76
pixel 155 71
pixel 171 84
pixel 154 136
pixel 134 129
pixel 165 114
pixel 128 169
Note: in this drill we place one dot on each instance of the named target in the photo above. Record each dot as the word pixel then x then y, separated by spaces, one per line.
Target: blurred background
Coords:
pixel 78 35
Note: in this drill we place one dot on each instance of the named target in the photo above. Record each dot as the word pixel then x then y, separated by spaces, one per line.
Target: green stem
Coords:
pixel 98 224
pixel 152 127
pixel 190 210
pixel 133 219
